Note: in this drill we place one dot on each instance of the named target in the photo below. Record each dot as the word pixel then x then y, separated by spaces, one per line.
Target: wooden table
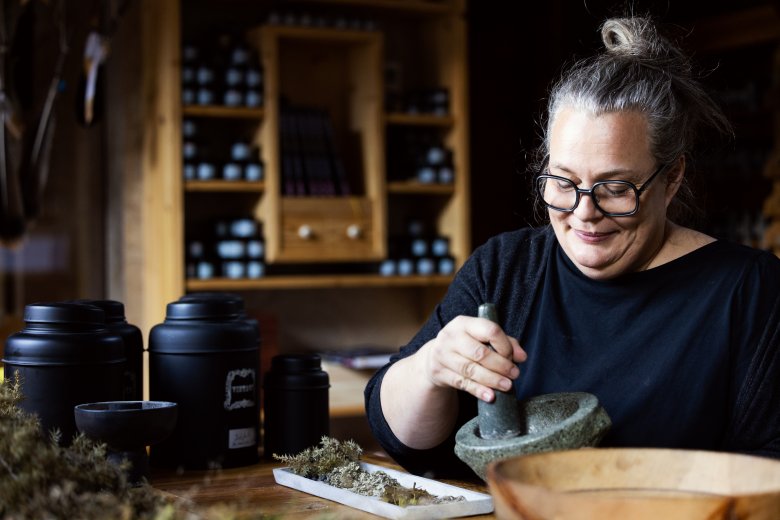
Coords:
pixel 252 492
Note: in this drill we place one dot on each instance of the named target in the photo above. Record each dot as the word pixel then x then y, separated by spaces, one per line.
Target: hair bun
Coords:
pixel 629 36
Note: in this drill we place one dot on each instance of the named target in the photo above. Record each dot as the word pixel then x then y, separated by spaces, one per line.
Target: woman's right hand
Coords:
pixel 418 393
pixel 459 357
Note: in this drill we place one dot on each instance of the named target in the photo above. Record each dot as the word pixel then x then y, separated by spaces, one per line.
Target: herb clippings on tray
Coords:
pixel 337 464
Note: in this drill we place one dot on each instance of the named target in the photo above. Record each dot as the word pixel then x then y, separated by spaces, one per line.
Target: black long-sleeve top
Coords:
pixel 684 355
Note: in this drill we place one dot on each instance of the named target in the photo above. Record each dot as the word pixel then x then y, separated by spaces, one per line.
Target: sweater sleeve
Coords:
pixel 755 426
pixel 505 271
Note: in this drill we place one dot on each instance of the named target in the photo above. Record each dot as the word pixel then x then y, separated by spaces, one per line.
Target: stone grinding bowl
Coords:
pixel 558 421
pixel 636 484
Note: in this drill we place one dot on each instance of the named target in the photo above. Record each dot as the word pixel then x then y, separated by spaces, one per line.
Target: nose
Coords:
pixel 586 209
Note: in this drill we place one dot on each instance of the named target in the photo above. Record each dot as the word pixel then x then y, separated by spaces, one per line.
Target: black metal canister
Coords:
pixel 65 356
pixel 296 413
pixel 205 359
pixel 133 376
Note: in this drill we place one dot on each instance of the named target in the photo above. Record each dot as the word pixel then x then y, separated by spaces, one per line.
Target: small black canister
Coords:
pixel 205 359
pixel 133 377
pixel 65 356
pixel 295 404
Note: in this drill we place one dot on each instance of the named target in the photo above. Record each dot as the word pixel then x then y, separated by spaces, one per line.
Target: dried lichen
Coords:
pixel 337 464
pixel 41 479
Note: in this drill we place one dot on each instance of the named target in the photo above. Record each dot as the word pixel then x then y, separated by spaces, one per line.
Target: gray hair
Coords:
pixel 641 70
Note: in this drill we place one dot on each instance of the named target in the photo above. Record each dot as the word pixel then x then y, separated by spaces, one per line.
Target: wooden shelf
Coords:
pixel 317 282
pixel 222 112
pixel 419 120
pixel 328 35
pixel 224 186
pixel 410 6
pixel 418 188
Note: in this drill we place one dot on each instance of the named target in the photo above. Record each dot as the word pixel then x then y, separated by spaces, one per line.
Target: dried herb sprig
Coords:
pixel 320 460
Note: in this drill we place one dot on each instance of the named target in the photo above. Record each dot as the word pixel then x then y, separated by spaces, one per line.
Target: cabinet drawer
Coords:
pixel 327 230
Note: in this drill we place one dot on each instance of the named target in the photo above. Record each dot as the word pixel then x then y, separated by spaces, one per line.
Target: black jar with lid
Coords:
pixel 65 356
pixel 296 412
pixel 133 375
pixel 205 358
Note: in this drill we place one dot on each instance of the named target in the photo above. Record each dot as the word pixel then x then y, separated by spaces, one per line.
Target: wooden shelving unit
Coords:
pixel 340 70
pixel 355 98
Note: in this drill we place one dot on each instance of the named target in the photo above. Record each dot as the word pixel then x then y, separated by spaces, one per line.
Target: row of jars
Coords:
pixel 204 357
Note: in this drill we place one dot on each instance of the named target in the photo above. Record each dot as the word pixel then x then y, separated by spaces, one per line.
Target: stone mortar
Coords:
pixel 553 422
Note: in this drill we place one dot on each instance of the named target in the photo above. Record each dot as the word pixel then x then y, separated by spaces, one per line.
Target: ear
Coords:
pixel 674 177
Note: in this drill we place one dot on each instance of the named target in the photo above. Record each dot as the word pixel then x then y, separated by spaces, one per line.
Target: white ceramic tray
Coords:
pixel 475 503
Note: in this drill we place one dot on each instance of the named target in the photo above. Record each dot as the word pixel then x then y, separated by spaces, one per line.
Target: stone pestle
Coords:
pixel 509 427
pixel 501 418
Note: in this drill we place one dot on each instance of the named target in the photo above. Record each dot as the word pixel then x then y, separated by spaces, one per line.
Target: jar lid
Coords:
pixel 292 363
pixel 76 335
pixel 64 312
pixel 213 295
pixel 296 372
pixel 114 310
pixel 202 309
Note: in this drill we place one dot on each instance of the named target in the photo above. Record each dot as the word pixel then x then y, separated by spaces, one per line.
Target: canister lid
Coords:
pixel 296 372
pixel 64 312
pixel 213 295
pixel 114 310
pixel 294 363
pixel 203 326
pixel 203 309
pixel 63 333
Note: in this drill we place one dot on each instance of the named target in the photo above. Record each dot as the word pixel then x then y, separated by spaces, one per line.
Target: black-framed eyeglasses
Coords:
pixel 612 198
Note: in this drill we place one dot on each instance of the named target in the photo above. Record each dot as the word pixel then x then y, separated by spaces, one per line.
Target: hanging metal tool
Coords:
pixel 89 98
pixel 34 170
pixel 12 218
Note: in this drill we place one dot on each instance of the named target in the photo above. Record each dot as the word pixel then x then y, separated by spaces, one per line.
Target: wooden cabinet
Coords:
pixel 340 71
pixel 330 65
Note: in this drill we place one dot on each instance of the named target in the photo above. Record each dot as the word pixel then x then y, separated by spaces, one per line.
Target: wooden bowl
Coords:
pixel 635 484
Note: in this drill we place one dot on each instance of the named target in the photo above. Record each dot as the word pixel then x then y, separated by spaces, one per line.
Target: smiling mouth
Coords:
pixel 591 236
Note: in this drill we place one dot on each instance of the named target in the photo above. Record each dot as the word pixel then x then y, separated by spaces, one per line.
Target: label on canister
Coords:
pixel 240 389
pixel 241 438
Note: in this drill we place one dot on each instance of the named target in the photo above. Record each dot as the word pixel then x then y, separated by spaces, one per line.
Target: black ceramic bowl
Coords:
pixel 127 428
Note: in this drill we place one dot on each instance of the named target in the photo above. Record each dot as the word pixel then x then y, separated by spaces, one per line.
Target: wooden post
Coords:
pixel 145 238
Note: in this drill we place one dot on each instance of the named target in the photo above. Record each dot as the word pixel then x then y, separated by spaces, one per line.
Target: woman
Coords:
pixel 674 331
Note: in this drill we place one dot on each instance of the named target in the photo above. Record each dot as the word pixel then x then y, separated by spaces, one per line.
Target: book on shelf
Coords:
pixel 310 164
pixel 294 182
pixel 360 358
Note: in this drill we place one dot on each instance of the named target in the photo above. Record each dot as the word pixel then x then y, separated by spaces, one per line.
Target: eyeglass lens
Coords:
pixel 610 197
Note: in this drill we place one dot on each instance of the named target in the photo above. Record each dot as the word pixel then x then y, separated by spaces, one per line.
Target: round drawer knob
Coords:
pixel 354 231
pixel 305 232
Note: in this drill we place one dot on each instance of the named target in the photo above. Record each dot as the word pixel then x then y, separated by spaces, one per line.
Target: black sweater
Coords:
pixel 684 355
